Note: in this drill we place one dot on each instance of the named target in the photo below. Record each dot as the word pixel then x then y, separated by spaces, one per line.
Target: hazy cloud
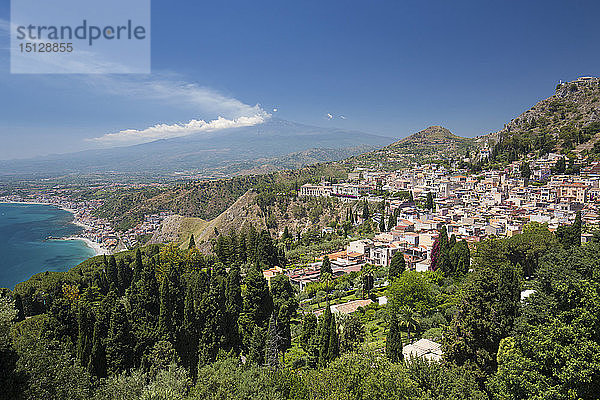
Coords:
pixel 164 131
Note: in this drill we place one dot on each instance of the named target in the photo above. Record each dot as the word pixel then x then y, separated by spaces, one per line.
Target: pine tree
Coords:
pixel 487 311
pixel 393 343
pixel 397 266
pixel 192 243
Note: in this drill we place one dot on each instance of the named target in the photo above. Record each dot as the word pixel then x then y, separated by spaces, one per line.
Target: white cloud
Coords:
pixel 329 116
pixel 342 116
pixel 164 131
pixel 173 89
pixel 275 110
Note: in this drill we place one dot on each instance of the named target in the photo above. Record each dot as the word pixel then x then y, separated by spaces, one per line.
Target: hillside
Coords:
pixel 566 121
pixel 297 214
pixel 204 199
pixel 431 144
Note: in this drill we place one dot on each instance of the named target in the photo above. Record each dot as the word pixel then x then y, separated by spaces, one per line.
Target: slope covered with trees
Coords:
pixel 165 322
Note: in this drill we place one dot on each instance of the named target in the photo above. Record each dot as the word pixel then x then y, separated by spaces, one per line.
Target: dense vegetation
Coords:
pixel 166 323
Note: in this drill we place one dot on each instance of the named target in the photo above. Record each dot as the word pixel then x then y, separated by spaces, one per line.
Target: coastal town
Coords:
pixel 97 233
pixel 471 206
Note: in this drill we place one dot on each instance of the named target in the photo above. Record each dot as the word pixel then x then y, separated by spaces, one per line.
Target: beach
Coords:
pixel 97 247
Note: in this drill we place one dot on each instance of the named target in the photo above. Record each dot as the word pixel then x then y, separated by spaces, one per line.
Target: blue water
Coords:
pixel 23 250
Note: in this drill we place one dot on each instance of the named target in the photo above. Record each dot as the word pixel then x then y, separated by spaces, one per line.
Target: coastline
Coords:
pixel 97 247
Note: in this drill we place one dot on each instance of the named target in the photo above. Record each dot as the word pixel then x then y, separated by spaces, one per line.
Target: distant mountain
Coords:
pixel 277 142
pixel 433 143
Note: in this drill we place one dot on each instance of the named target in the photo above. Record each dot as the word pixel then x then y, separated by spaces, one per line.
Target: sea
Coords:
pixel 24 248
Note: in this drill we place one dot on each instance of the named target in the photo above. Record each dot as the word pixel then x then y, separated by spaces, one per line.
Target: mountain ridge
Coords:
pixel 204 154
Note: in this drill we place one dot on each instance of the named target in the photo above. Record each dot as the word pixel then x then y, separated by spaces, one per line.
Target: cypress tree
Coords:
pixel 97 361
pixel 85 324
pixel 166 309
pixel 256 349
pixel 393 343
pixel 257 300
pixel 233 307
pixel 123 277
pixel 285 306
pixel 138 266
pixel 112 273
pixel 273 344
pixel 429 204
pixel 188 343
pixel 397 266
pixel 333 347
pixel 382 223
pixel 309 330
pixel 365 211
pixel 576 227
pixel 213 335
pixel 392 221
pixel 324 335
pixel 120 341
pixel 326 267
pixel 192 243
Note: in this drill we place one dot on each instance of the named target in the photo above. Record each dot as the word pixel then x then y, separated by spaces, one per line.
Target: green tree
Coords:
pixel 393 343
pixel 429 204
pixel 333 347
pixel 525 170
pixel 138 266
pixel 365 213
pixel 397 266
pixel 326 267
pixel 459 257
pixel 120 341
pixel 487 310
pixel 392 221
pixel 285 307
pixel 233 307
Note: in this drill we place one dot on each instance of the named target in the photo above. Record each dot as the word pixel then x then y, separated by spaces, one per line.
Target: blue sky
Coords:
pixel 389 67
